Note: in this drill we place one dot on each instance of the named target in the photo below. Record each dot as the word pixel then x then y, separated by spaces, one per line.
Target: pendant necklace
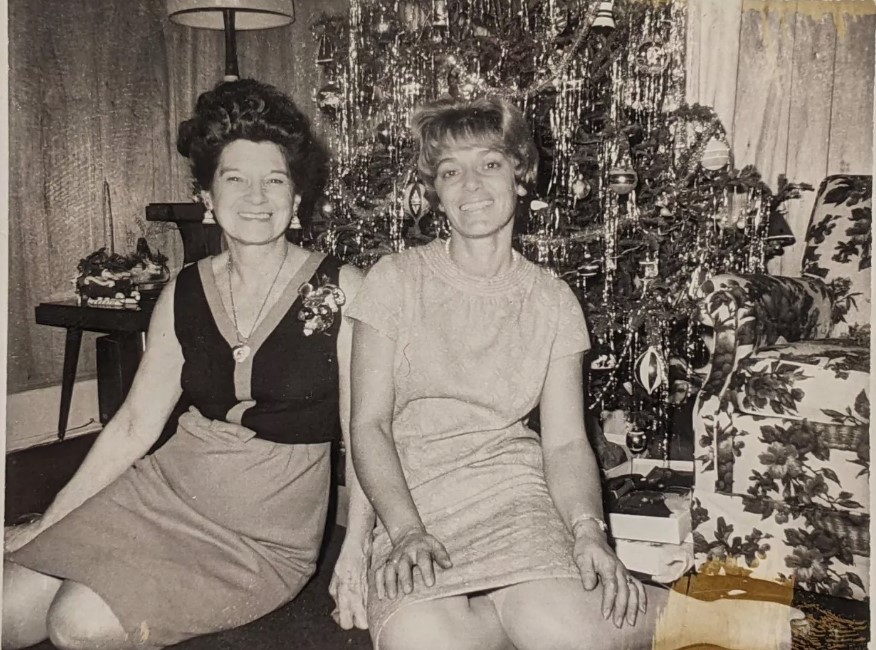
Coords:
pixel 241 351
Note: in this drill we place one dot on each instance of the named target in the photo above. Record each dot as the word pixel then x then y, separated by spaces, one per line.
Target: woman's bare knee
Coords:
pixel 420 628
pixel 27 596
pixel 443 624
pixel 559 614
pixel 79 619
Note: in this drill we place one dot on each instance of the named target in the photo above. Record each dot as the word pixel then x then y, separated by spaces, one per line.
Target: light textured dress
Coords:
pixel 471 358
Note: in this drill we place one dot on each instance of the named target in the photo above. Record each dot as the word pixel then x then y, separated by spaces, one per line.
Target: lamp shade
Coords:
pixel 248 14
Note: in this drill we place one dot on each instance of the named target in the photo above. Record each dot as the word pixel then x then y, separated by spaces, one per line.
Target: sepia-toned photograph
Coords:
pixel 438 324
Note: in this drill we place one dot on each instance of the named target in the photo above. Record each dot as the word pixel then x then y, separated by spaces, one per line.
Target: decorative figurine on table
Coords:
pixel 105 281
pixel 113 281
pixel 149 270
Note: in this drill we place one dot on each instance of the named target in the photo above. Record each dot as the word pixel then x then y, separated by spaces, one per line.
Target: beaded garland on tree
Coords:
pixel 637 201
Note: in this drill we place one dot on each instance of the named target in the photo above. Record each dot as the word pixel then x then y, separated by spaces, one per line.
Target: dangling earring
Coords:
pixel 295 222
pixel 204 199
pixel 294 231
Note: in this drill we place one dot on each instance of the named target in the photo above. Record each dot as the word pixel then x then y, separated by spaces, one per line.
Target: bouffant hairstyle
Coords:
pixel 491 122
pixel 247 109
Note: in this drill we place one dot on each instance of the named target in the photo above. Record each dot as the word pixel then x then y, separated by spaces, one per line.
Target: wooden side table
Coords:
pixel 124 341
pixel 118 352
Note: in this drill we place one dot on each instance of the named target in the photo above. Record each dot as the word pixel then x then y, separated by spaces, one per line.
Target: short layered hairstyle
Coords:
pixel 491 122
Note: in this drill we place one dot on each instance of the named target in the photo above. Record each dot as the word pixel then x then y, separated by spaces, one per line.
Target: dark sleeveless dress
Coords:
pixel 223 523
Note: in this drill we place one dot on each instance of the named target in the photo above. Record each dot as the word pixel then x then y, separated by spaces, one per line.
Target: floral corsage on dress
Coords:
pixel 319 305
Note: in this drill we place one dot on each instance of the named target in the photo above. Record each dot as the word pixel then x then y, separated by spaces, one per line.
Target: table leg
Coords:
pixel 118 356
pixel 68 378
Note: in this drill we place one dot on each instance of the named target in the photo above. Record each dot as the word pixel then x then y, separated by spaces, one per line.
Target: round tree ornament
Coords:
pixel 580 188
pixel 326 208
pixel 651 57
pixel 622 180
pixel 414 200
pixel 651 369
pixel 716 155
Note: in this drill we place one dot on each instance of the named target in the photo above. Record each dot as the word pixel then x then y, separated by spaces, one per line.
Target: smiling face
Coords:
pixel 252 196
pixel 477 189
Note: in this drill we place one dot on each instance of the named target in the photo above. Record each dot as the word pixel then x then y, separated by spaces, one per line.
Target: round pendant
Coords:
pixel 240 352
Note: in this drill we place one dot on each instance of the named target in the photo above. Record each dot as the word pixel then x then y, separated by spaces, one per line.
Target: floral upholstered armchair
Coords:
pixel 782 452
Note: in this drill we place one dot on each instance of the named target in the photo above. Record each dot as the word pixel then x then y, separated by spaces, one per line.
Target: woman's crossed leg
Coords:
pixel 72 616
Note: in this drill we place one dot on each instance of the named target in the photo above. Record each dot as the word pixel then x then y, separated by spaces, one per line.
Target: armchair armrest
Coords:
pixel 747 312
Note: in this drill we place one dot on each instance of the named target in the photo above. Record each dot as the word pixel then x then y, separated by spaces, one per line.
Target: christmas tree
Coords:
pixel 637 200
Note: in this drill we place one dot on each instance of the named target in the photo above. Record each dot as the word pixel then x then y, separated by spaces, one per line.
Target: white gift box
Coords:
pixel 673 529
pixel 664 563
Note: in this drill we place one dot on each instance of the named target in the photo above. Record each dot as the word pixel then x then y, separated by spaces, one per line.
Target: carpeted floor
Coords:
pixel 35 475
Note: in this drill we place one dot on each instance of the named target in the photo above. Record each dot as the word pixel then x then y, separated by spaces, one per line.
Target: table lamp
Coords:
pixel 231 15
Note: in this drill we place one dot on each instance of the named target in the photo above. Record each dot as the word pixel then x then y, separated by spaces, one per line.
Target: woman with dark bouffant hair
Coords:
pixel 223 523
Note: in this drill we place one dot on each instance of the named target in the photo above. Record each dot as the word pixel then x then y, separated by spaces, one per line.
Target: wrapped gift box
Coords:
pixel 664 563
pixel 650 500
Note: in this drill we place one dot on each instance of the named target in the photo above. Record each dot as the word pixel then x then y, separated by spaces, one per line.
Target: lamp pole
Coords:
pixel 232 73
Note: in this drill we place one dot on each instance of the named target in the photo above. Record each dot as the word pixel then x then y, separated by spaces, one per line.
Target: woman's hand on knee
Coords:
pixel 623 596
pixel 14 537
pixel 416 548
pixel 349 588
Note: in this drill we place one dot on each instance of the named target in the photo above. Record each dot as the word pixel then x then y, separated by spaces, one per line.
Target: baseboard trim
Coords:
pixel 32 415
pixel 28 442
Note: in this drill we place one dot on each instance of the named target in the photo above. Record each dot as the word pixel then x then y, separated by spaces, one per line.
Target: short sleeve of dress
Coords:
pixel 572 336
pixel 378 301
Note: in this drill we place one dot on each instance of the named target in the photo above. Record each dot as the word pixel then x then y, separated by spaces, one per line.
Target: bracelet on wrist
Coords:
pixel 399 534
pixel 582 519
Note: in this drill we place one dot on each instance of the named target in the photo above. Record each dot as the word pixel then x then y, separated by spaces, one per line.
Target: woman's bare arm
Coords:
pixel 571 469
pixel 379 468
pixel 575 485
pixel 374 453
pixel 139 421
pixel 360 515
